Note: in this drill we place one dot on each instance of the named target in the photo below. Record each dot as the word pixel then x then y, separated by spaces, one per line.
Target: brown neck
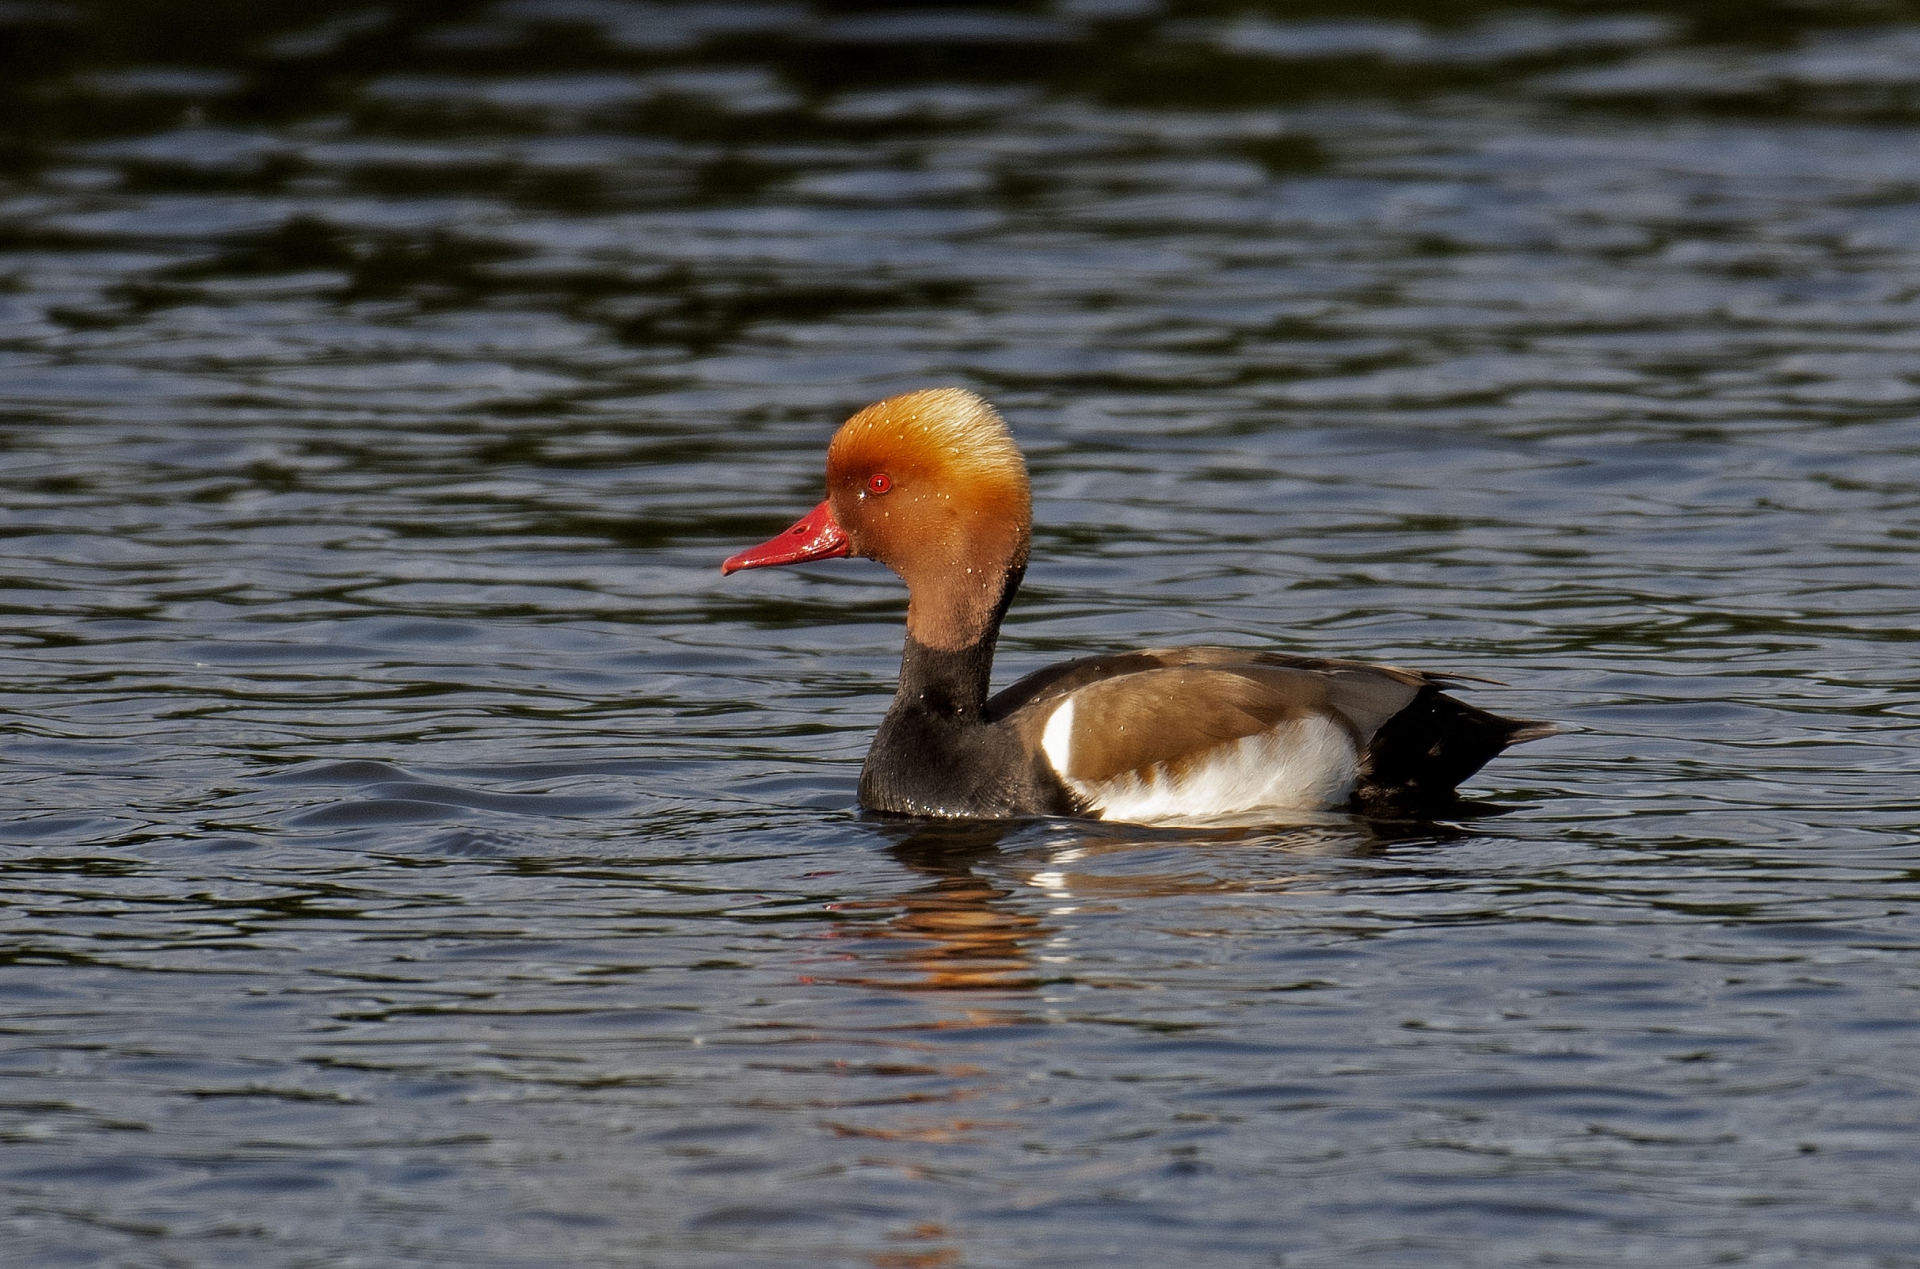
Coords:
pixel 954 680
pixel 959 606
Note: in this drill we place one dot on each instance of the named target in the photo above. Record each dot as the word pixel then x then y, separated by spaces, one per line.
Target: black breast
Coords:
pixel 927 762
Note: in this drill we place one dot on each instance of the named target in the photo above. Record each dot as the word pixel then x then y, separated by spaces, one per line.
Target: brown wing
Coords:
pixel 1362 695
pixel 1128 721
pixel 1058 680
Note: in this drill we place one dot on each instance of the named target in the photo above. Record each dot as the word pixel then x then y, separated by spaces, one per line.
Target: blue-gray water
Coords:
pixel 417 855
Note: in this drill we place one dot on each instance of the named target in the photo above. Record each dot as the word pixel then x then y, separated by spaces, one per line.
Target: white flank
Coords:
pixel 1057 740
pixel 1305 764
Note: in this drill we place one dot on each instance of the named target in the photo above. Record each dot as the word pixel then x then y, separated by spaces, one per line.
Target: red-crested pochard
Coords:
pixel 932 485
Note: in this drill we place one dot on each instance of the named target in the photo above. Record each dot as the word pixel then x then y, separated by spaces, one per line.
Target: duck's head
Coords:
pixel 930 484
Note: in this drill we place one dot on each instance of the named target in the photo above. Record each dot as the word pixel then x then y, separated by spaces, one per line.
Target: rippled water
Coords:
pixel 416 854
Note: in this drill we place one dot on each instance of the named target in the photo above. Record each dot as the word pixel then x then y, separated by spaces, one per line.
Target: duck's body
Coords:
pixel 931 484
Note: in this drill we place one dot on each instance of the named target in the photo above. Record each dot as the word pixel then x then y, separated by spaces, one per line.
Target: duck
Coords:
pixel 932 484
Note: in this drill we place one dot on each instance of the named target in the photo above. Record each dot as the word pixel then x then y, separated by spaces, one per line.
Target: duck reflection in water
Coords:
pixel 962 931
pixel 978 924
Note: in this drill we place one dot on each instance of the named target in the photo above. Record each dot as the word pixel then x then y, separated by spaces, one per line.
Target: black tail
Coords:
pixel 1422 753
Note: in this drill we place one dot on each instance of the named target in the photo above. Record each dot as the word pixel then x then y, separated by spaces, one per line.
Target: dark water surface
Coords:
pixel 416 854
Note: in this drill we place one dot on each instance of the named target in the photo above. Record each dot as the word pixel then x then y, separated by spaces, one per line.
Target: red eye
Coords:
pixel 879 483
